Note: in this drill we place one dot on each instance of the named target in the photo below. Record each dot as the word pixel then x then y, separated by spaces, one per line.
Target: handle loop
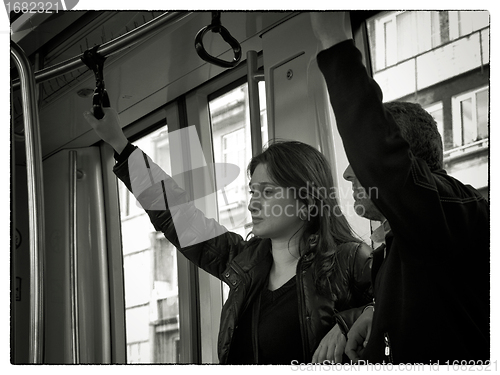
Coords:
pixel 95 62
pixel 216 27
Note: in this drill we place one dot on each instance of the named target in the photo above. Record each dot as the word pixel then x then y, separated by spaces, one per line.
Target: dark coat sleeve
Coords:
pixel 410 196
pixel 202 240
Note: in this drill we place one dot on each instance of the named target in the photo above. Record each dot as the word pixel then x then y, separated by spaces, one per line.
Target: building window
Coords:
pixel 398 36
pixel 124 197
pixel 389 42
pixel 440 32
pixel 384 46
pixel 234 151
pixel 150 273
pixel 436 111
pixel 165 268
pixel 465 22
pixel 470 117
pixel 402 35
pixel 232 144
pixel 230 121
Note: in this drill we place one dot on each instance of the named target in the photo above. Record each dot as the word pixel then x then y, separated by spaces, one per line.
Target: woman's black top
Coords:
pixel 278 332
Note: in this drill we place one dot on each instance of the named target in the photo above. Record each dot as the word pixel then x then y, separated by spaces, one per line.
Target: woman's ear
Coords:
pixel 304 213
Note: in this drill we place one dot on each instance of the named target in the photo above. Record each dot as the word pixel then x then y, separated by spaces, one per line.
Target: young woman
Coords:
pixel 287 283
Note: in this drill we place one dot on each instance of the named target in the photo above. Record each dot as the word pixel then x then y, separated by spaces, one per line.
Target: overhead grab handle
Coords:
pixel 216 27
pixel 95 62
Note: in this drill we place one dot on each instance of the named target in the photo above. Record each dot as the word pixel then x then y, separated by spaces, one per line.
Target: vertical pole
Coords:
pixel 73 259
pixel 254 75
pixel 35 201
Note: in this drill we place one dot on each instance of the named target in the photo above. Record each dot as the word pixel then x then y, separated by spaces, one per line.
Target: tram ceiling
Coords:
pixel 56 39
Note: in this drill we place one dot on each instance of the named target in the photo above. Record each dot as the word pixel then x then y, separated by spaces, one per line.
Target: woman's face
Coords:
pixel 274 209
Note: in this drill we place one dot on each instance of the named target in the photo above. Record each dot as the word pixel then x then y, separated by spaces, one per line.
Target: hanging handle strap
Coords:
pixel 95 62
pixel 217 27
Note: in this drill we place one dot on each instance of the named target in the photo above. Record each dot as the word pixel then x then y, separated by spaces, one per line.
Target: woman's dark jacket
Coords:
pixel 244 265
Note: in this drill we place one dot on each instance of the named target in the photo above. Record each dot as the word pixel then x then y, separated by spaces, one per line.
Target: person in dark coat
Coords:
pixel 431 277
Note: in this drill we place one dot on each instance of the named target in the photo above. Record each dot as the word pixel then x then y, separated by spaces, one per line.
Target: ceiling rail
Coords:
pixel 110 48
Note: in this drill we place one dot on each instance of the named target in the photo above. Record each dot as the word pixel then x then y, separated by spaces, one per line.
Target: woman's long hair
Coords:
pixel 296 165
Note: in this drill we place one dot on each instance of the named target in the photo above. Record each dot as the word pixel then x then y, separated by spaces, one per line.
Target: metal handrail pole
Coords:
pixel 35 201
pixel 112 47
pixel 254 75
pixel 73 259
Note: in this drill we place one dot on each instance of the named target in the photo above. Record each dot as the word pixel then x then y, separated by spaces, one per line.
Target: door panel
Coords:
pixel 20 274
pixel 76 331
pixel 298 103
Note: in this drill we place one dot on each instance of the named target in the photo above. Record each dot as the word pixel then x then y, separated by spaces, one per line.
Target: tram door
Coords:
pixel 76 282
pixel 77 304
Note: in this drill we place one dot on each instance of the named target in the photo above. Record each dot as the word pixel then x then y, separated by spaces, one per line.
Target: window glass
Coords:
pixel 471 117
pixel 150 271
pixel 232 143
pixel 465 22
pixel 482 113
pixel 397 36
pixel 468 131
pixel 470 21
pixel 404 32
pixel 440 60
pixel 438 33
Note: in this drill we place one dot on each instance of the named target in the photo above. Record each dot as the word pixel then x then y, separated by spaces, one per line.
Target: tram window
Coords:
pixel 232 143
pixel 440 59
pixel 150 271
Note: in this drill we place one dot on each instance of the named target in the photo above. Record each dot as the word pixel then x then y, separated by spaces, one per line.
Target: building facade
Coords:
pixel 440 59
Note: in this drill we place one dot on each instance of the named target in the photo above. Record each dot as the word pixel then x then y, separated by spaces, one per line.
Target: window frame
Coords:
pixel 457 124
pixel 187 276
pixel 211 290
